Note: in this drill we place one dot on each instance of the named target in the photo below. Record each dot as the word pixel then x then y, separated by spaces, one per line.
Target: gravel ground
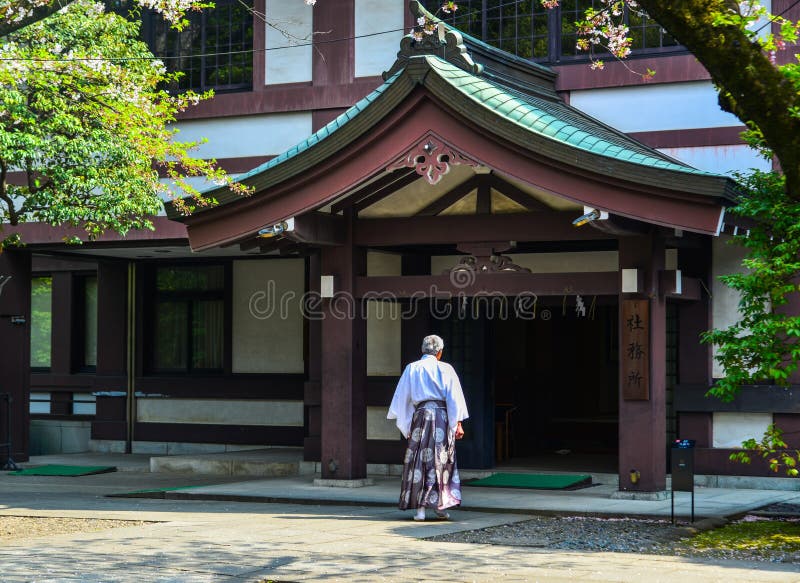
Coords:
pixel 621 535
pixel 626 535
pixel 24 527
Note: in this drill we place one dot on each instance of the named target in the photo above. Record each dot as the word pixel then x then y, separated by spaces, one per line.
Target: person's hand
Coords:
pixel 459 431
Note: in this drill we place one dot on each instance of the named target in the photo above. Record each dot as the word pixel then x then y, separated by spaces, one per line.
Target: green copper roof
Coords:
pixel 553 119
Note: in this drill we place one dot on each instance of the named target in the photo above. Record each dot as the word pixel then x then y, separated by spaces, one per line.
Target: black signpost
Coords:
pixel 682 470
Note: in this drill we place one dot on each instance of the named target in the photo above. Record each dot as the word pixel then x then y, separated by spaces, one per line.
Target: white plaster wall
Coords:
pixel 383 320
pixel 382 263
pixel 252 135
pixel 720 159
pixel 383 338
pixel 725 259
pixel 267 318
pixel 664 106
pixel 731 429
pixel 581 262
pixel 220 412
pixel 378 426
pixel 288 58
pixel 375 54
pixel 670 259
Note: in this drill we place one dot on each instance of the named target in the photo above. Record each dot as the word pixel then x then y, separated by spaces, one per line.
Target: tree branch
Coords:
pixel 13 215
pixel 38 13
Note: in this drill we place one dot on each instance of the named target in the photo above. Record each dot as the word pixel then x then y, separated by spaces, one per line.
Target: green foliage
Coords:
pixel 83 117
pixel 772 448
pixel 764 345
pixel 763 538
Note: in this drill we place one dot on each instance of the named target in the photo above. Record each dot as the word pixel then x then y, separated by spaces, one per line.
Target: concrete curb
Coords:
pixel 697 526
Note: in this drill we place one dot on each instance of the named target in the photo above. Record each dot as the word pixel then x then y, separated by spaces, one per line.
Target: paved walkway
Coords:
pixel 709 502
pixel 221 540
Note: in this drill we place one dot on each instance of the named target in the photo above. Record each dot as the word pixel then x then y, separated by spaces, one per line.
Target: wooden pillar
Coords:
pixel 642 416
pixel 695 358
pixel 336 18
pixel 112 298
pixel 344 332
pixel 112 350
pixel 62 329
pixel 312 387
pixel 694 318
pixel 15 336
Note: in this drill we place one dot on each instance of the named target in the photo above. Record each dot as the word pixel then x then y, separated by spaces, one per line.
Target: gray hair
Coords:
pixel 432 344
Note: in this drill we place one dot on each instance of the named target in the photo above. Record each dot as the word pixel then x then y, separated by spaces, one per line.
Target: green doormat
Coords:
pixel 534 481
pixel 56 470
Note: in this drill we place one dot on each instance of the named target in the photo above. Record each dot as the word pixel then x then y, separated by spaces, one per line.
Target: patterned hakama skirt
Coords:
pixel 430 476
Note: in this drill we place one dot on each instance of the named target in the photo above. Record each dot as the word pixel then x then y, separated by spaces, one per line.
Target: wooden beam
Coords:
pixel 427 230
pixel 450 198
pixel 489 284
pixel 518 196
pixel 370 189
pixel 318 229
pixel 692 291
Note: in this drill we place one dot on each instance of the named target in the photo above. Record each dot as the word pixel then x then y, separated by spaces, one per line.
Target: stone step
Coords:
pixel 229 466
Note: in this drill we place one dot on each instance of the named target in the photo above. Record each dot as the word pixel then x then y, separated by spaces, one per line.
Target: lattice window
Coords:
pixel 526 29
pixel 213 52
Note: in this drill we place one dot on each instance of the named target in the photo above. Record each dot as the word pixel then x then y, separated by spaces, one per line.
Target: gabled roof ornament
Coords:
pixel 440 42
pixel 431 158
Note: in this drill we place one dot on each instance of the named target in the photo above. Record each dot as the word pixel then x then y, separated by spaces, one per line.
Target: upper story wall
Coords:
pixel 308 64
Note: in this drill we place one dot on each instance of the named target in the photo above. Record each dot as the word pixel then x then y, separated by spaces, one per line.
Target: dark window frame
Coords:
pixel 197 61
pixel 477 25
pixel 151 297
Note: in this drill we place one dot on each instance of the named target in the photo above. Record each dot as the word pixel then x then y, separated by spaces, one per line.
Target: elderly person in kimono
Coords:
pixel 429 407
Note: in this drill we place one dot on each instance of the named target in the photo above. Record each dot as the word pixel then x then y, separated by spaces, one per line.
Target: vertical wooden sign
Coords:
pixel 635 350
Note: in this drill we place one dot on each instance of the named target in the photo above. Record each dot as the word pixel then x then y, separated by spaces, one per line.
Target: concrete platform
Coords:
pixel 384 492
pixel 596 500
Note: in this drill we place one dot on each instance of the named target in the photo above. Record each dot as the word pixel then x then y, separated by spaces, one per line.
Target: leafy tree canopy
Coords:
pixel 84 125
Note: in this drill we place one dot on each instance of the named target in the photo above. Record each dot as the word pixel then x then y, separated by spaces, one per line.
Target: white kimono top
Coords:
pixel 427 379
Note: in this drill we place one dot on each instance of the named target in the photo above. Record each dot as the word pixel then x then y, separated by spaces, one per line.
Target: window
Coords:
pixel 528 30
pixel 41 322
pixel 188 319
pixel 85 324
pixel 214 51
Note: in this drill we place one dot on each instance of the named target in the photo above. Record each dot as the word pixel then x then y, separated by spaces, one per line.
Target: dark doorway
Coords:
pixel 542 392
pixel 555 382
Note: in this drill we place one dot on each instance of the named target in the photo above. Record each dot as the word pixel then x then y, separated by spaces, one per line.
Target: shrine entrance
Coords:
pixel 446 167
